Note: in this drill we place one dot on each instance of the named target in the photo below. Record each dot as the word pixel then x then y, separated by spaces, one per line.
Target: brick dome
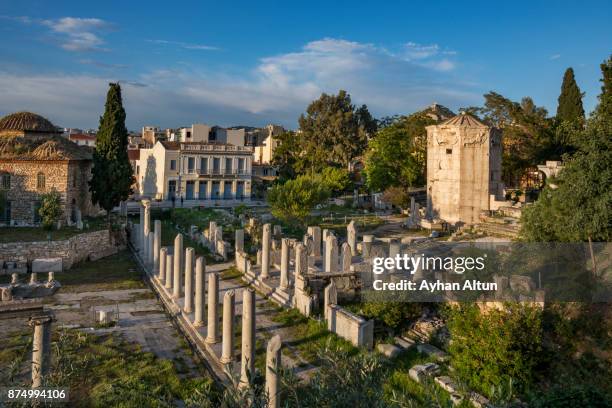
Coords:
pixel 26 122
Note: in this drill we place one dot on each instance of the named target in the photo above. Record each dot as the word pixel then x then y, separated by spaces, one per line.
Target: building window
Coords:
pixel 35 211
pixel 190 165
pixel 240 166
pixel 40 181
pixel 228 166
pixel 6 181
pixel 5 216
pixel 203 165
pixel 172 164
pixel 449 151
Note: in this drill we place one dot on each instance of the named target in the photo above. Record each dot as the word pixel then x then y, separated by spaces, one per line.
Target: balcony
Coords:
pixel 220 172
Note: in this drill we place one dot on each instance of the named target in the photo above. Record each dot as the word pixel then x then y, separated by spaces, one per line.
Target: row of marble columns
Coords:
pixel 175 272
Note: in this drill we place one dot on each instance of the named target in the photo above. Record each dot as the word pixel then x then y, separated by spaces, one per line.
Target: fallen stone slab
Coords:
pixel 404 342
pixel 47 265
pixel 432 351
pixel 479 401
pixel 446 383
pixel 421 371
pixel 389 350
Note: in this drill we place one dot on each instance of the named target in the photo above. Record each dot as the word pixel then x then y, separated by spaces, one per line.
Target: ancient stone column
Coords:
pixel 247 368
pixel 156 245
pixel 147 217
pixel 330 297
pixel 141 243
pixel 346 257
pixel 178 266
pixel 351 236
pixel 163 253
pixel 33 278
pixel 239 245
pixel 212 231
pixel 315 233
pixel 212 335
pixel 331 254
pixel 227 350
pixel 258 258
pixel 366 245
pixel 301 262
pixel 41 348
pixel 169 271
pixel 273 364
pixel 284 273
pixel 150 246
pixel 324 235
pixel 14 278
pixel 265 252
pixel 188 306
pixel 198 320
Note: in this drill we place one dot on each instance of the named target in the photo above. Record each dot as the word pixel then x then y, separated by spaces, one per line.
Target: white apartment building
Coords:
pixel 194 167
pixel 264 145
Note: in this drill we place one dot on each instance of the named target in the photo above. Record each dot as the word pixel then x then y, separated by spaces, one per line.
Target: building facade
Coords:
pixel 463 169
pixel 264 144
pixel 36 159
pixel 195 170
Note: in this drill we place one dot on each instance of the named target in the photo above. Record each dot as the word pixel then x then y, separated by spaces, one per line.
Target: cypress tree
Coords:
pixel 570 100
pixel 111 174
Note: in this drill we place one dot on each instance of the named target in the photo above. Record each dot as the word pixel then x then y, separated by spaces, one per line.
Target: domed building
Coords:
pixel 36 159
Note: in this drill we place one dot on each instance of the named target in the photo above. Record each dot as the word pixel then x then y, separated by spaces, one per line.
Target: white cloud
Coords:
pixel 554 57
pixel 277 89
pixel 79 34
pixel 187 46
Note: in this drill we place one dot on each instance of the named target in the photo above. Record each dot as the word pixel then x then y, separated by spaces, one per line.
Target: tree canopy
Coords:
pixel 570 100
pixel 577 205
pixel 332 132
pixel 112 173
pixel 294 200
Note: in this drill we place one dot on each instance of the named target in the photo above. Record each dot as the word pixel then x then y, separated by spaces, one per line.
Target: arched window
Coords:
pixel 5 178
pixel 40 181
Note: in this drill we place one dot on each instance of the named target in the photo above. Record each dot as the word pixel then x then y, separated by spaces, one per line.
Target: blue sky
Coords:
pixel 256 62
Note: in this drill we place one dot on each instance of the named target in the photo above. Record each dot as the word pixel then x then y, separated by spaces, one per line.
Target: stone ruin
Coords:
pixel 191 295
pixel 33 288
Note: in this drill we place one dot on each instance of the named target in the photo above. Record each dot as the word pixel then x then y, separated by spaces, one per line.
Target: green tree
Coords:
pixel 396 155
pixel 569 106
pixel 335 179
pixel 496 350
pixel 50 209
pixel 294 200
pixel 333 132
pixel 577 205
pixel 286 157
pixel 111 174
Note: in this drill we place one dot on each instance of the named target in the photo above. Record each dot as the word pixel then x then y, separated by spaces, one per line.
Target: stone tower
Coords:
pixel 463 169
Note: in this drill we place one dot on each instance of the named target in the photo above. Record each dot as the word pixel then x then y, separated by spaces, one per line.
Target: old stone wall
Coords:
pixel 69 178
pixel 89 245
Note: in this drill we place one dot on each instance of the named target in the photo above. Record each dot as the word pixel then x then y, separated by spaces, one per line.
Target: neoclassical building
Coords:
pixel 35 159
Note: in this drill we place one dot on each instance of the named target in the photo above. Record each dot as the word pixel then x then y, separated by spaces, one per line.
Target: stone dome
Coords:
pixel 27 122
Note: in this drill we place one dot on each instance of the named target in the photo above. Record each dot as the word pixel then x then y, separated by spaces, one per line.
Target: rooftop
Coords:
pixel 27 121
pixel 49 148
pixel 463 119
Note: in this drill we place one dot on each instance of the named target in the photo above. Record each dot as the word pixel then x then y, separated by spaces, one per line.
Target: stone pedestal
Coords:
pixel 227 350
pixel 351 237
pixel 331 254
pixel 315 233
pixel 366 245
pixel 239 245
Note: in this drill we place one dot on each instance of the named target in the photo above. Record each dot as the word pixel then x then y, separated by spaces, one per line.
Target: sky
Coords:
pixel 258 62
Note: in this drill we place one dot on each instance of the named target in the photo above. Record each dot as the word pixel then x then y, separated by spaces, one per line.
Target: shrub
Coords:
pixel 50 209
pixel 294 200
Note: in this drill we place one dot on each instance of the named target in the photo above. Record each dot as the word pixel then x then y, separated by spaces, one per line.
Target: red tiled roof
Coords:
pixel 81 136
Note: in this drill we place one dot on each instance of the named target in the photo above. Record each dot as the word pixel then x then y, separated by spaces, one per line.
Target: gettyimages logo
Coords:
pixel 412 264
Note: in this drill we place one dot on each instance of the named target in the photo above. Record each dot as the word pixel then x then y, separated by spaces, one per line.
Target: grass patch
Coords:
pixel 231 273
pixel 113 272
pixel 32 234
pixel 309 336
